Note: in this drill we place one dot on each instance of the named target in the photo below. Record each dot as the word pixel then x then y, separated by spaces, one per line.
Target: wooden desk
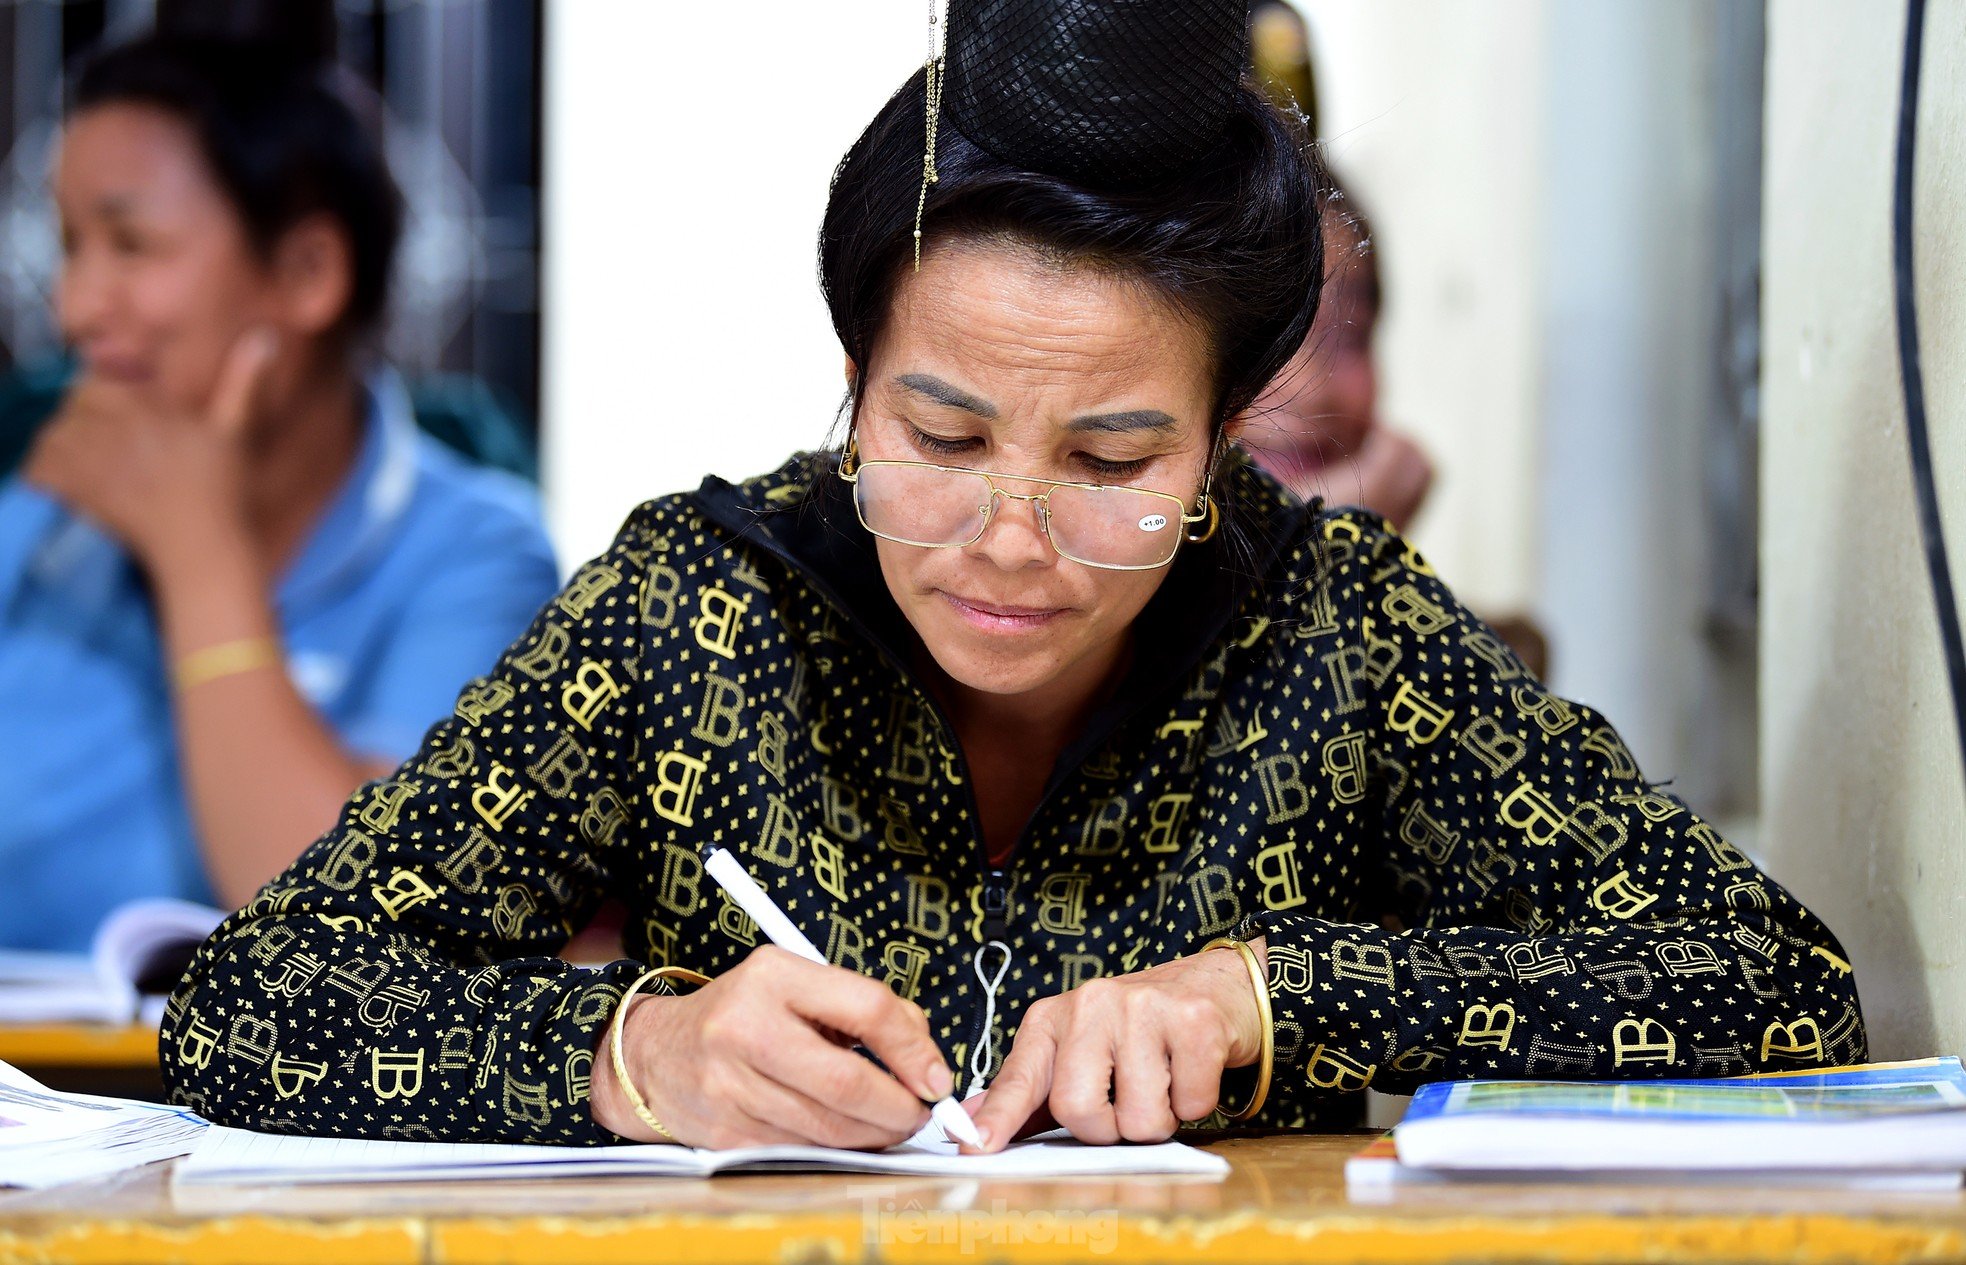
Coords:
pixel 1284 1200
pixel 86 1058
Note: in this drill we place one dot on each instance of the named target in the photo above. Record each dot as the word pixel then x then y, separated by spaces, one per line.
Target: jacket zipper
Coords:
pixel 996 905
pixel 996 880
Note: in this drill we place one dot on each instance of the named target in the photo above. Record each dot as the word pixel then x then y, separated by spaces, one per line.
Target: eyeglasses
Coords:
pixel 948 507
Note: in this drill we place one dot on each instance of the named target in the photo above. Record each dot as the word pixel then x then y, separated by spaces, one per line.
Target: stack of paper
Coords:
pixel 47 1138
pixel 1892 1125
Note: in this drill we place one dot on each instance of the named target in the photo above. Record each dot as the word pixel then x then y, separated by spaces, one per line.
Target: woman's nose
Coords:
pixel 82 297
pixel 1014 537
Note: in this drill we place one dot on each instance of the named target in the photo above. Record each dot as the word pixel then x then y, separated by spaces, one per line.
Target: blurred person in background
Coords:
pixel 236 580
pixel 1317 427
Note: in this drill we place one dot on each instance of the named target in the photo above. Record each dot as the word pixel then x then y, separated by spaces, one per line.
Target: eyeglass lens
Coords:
pixel 927 505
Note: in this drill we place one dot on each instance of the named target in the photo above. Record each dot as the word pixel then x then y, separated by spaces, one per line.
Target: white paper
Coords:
pixel 230 1156
pixel 47 1137
pixel 1376 1179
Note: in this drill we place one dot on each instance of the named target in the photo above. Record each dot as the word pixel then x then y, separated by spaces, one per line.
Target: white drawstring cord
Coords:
pixel 979 1058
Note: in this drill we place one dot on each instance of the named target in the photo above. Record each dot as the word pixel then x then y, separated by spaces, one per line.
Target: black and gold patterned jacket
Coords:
pixel 1458 874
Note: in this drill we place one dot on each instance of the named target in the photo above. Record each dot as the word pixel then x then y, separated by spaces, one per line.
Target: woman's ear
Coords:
pixel 313 273
pixel 852 374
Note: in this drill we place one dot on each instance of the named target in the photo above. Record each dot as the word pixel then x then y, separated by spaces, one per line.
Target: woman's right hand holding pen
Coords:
pixel 764 1054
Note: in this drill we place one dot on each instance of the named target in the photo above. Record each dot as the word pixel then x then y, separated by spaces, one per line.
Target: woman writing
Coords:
pixel 1017 702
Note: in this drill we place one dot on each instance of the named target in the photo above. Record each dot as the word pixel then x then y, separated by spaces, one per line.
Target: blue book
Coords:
pixel 1889 1117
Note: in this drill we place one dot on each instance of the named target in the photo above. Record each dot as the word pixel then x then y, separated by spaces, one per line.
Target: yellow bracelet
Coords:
pixel 1266 1062
pixel 227 658
pixel 635 1098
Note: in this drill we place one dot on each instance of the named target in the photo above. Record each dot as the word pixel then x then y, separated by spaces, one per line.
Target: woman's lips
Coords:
pixel 126 369
pixel 997 617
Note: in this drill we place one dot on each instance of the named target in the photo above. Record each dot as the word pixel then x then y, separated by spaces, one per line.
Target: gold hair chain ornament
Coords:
pixel 934 72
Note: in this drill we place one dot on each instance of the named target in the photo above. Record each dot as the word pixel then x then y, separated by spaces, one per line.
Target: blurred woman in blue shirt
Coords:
pixel 235 580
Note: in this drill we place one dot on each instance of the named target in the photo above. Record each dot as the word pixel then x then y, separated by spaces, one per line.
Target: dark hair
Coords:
pixel 282 137
pixel 1234 243
pixel 1361 261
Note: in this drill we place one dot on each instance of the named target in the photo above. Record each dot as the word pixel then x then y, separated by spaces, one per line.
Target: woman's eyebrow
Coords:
pixel 1132 419
pixel 941 392
pixel 933 388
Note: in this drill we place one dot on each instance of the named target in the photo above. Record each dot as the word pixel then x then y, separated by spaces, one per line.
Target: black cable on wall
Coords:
pixel 1931 526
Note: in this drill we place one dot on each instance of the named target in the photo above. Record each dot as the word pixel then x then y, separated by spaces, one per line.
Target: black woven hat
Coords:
pixel 1109 93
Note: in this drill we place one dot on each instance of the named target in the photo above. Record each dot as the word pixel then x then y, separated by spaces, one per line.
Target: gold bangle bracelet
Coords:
pixel 1266 1062
pixel 227 658
pixel 621 1077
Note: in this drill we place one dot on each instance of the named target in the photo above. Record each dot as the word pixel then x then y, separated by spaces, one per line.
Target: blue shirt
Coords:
pixel 422 569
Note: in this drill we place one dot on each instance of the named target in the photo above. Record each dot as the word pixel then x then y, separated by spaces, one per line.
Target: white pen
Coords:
pixel 755 901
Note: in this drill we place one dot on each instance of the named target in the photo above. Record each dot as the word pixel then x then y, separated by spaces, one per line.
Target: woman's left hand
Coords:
pixel 1127 1057
pixel 165 483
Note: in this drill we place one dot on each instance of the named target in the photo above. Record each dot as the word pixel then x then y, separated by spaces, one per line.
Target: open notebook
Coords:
pixel 235 1157
pixel 136 957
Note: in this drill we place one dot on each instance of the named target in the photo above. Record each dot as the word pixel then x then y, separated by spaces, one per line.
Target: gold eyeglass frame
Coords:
pixel 1205 508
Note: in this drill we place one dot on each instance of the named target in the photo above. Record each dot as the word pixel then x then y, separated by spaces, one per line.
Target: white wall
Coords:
pixel 686 170
pixel 1861 784
pixel 1634 347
